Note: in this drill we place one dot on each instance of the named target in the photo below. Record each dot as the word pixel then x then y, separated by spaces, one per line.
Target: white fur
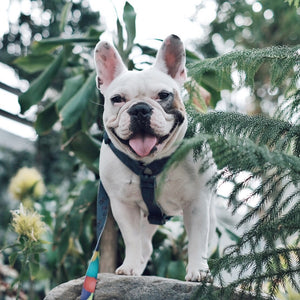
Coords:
pixel 184 191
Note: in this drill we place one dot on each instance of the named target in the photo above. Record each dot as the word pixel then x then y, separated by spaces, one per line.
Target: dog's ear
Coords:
pixel 170 58
pixel 109 64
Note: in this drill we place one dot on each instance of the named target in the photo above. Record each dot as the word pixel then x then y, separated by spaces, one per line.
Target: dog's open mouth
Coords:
pixel 143 144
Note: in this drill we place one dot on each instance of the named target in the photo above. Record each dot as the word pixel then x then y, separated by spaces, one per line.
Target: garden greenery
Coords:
pixel 267 255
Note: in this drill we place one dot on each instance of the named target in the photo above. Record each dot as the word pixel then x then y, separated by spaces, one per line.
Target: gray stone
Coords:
pixel 115 287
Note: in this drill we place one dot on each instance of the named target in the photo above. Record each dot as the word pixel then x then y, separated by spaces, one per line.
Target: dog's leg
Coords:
pixel 148 231
pixel 128 218
pixel 196 221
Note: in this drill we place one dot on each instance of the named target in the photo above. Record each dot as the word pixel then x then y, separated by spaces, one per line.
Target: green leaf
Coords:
pixel 72 111
pixel 34 62
pixel 12 258
pixel 38 87
pixel 176 269
pixel 94 33
pixel 34 267
pixel 161 260
pixel 87 195
pixel 293 2
pixel 38 48
pixel 120 38
pixel 63 244
pixel 46 119
pixel 147 50
pixel 85 148
pixel 191 56
pixel 232 235
pixel 71 86
pixel 129 17
pixel 64 16
pixel 75 39
pixel 49 45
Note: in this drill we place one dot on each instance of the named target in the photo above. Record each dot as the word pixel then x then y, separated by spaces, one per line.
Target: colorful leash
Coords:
pixel 89 285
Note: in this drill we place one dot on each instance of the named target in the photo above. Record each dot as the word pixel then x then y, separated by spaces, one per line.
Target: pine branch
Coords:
pixel 269 150
pixel 276 266
pixel 276 134
pixel 247 62
pixel 263 147
pixel 290 108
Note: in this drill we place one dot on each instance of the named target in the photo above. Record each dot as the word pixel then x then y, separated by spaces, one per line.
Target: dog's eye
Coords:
pixel 164 95
pixel 117 99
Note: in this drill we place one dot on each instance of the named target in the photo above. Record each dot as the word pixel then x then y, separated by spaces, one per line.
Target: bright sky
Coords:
pixel 155 19
pixel 158 19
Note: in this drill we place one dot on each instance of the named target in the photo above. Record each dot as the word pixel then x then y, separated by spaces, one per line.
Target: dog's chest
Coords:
pixel 123 185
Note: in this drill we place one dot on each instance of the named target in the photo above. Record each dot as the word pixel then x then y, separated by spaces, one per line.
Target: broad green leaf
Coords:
pixel 46 119
pixel 147 50
pixel 49 45
pixel 38 87
pixel 87 195
pixel 120 38
pixel 64 16
pixel 38 48
pixel 63 244
pixel 72 111
pixel 129 17
pixel 85 148
pixel 34 62
pixel 71 86
pixel 62 41
pixel 94 33
pixel 191 56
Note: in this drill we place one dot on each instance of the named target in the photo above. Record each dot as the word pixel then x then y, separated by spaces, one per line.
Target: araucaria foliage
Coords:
pixel 266 256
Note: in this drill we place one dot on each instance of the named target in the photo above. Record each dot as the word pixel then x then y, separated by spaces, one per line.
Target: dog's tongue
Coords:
pixel 143 144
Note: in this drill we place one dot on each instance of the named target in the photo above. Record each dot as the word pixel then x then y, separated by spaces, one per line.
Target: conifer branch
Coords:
pixel 247 62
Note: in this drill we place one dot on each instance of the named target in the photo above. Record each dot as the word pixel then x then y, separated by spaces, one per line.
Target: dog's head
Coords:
pixel 144 115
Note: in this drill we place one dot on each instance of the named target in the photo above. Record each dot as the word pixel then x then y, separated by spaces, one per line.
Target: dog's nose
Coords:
pixel 140 109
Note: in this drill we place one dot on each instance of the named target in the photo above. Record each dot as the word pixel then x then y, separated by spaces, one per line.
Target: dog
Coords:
pixel 145 119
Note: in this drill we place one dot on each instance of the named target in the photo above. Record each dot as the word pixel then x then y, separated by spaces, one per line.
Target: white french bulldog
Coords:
pixel 145 118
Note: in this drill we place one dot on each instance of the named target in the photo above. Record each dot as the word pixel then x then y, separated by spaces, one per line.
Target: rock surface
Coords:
pixel 115 287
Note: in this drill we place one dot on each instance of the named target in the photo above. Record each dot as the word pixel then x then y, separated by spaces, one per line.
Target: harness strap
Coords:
pixel 147 174
pixel 89 284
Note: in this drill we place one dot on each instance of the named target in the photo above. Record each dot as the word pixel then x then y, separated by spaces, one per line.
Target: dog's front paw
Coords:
pixel 128 270
pixel 199 274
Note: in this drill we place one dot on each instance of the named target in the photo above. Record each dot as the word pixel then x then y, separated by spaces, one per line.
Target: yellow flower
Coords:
pixel 27 182
pixel 28 223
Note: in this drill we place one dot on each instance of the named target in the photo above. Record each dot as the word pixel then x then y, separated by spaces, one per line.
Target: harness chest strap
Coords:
pixel 147 174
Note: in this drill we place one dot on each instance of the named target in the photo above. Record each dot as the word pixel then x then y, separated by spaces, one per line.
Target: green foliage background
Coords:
pixel 267 147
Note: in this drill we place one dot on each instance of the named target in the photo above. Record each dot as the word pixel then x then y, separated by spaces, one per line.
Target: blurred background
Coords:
pixel 45 135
